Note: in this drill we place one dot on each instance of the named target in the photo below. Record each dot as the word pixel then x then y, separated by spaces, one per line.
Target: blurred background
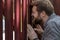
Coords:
pixel 14 16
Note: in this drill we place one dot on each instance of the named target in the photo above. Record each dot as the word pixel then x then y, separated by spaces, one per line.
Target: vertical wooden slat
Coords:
pixel 1 12
pixel 29 12
pixel 8 8
pixel 17 20
pixel 24 22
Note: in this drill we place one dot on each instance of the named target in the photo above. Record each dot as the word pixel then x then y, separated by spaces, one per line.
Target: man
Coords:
pixel 43 11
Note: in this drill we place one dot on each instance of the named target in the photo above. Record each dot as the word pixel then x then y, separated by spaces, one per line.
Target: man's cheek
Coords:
pixel 33 20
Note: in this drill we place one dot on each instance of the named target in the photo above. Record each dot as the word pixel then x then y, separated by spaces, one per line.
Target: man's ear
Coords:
pixel 42 13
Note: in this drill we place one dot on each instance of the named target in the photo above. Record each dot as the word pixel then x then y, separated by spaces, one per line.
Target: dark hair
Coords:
pixel 44 6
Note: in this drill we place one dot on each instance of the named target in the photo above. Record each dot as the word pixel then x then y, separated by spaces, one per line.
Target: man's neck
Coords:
pixel 45 19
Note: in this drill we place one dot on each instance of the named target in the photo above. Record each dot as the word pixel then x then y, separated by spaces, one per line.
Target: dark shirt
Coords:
pixel 52 28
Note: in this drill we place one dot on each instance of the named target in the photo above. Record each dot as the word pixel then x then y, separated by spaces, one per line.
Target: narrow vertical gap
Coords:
pixel 27 16
pixel 13 35
pixel 3 23
pixel 21 16
pixel 3 28
pixel 13 21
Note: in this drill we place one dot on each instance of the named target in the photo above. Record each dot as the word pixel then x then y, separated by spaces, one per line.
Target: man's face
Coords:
pixel 35 16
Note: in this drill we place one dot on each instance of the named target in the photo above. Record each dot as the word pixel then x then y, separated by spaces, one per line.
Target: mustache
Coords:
pixel 36 21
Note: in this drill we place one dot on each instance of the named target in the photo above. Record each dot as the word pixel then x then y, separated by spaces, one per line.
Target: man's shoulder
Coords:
pixel 54 20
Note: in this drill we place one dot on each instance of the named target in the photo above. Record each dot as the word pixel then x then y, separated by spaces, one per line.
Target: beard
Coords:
pixel 36 21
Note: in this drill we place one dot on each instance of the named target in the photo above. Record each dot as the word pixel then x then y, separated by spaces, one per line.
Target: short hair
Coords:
pixel 44 5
